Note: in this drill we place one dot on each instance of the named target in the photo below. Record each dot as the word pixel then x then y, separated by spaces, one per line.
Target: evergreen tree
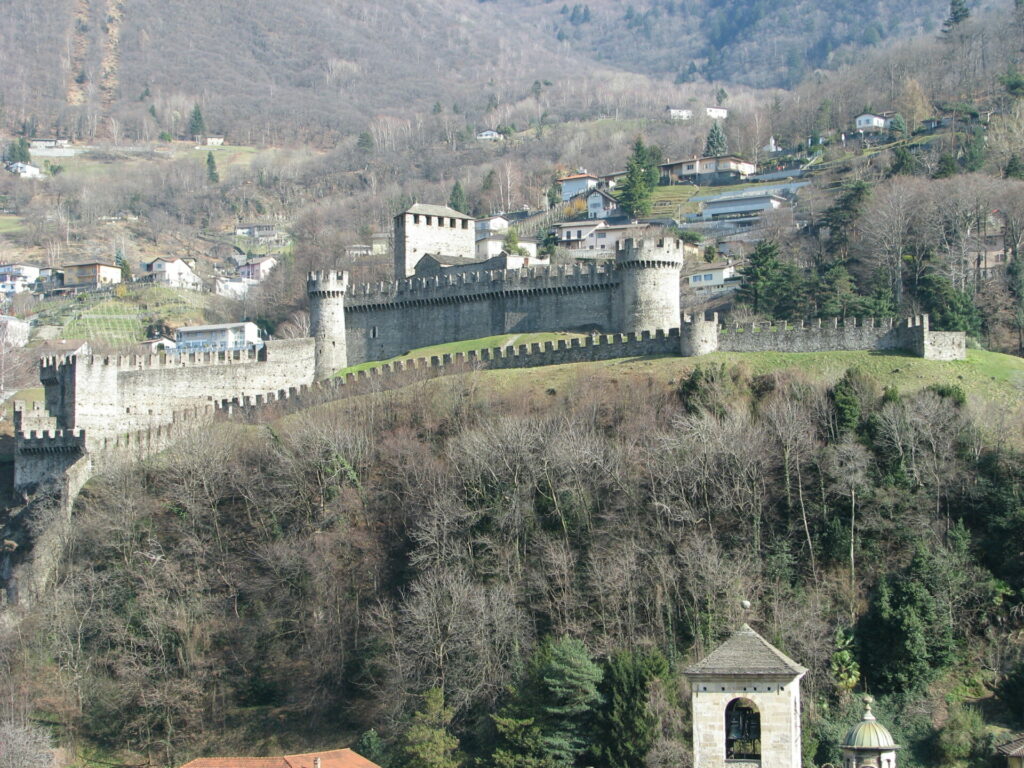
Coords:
pixel 903 162
pixel 18 151
pixel 716 143
pixel 947 167
pixel 511 244
pixel 841 216
pixel 949 309
pixel 761 278
pixel 429 742
pixel 1011 692
pixel 371 746
pixel 637 189
pixel 625 727
pixel 560 693
pixel 897 125
pixel 457 200
pixel 365 142
pixel 211 168
pixel 1014 168
pixel 521 744
pixel 958 14
pixel 196 124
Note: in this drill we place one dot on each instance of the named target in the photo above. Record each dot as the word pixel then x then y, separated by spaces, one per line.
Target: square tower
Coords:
pixel 431 229
pixel 746 705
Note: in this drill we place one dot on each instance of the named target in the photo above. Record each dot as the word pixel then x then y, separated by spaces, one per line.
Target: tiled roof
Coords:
pixel 1013 748
pixel 335 758
pixel 746 653
pixel 578 176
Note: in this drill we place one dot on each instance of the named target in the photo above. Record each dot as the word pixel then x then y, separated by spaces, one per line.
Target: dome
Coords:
pixel 869 733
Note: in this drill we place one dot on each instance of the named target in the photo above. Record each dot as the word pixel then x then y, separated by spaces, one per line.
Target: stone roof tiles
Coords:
pixel 746 653
pixel 437 210
pixel 1013 748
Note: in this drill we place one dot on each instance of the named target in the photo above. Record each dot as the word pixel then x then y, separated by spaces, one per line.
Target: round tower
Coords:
pixel 649 284
pixel 869 743
pixel 326 292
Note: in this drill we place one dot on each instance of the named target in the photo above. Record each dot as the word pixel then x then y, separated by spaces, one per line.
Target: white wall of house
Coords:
pixel 218 337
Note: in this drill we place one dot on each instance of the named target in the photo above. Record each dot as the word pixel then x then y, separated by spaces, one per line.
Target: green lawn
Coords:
pixel 10 224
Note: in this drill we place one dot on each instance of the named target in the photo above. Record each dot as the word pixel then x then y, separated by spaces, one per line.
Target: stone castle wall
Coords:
pixel 417 235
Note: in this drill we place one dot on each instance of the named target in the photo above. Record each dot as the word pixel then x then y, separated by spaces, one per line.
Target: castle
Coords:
pixel 100 409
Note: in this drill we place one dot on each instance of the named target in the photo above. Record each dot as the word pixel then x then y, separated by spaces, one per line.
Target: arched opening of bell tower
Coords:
pixel 742 730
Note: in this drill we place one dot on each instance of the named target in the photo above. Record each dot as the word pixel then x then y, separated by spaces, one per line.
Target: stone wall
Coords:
pixel 416 235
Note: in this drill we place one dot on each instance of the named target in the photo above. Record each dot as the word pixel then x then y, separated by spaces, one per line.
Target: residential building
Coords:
pixel 576 184
pixel 596 236
pixel 335 758
pixel 868 122
pixel 24 170
pixel 214 141
pixel 742 207
pixel 494 245
pixel 232 287
pixel 1013 751
pixel 173 271
pixel 91 274
pixel 679 114
pixel 380 243
pixel 256 231
pixel 48 143
pixel 50 279
pixel 16 278
pixel 716 113
pixel 223 336
pixel 488 135
pixel 601 205
pixel 708 170
pixel 710 279
pixel 157 344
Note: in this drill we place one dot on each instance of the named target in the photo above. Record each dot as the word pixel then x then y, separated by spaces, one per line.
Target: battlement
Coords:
pixel 327 283
pixel 50 368
pixel 832 324
pixel 469 285
pixel 50 441
pixel 637 252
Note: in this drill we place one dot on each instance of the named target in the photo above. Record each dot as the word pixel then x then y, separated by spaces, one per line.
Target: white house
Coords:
pixel 214 141
pixel 493 245
pixel 224 336
pixel 232 287
pixel 47 143
pixel 15 278
pixel 488 135
pixel 601 205
pixel 24 170
pixel 256 231
pixel 173 271
pixel 712 278
pixel 869 122
pixel 708 170
pixel 679 114
pixel 576 184
pixel 491 225
pixel 257 269
pixel 716 113
pixel 740 207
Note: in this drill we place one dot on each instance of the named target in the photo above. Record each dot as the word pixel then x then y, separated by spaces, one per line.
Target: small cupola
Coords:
pixel 869 743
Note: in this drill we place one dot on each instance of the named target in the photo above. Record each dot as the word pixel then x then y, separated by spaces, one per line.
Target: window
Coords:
pixel 742 730
pixel 579 234
pixel 415 218
pixel 373 332
pixel 602 234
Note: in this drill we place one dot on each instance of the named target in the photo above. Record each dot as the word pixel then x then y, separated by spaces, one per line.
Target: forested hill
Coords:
pixel 302 70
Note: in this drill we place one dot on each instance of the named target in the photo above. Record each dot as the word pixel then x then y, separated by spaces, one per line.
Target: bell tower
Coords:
pixel 746 705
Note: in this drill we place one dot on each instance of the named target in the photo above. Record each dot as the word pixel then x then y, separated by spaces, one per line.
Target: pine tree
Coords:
pixel 511 244
pixel 958 14
pixel 637 189
pixel 716 144
pixel 947 167
pixel 429 742
pixel 196 124
pixel 625 727
pixel 1014 168
pixel 457 200
pixel 371 746
pixel 365 142
pixel 761 278
pixel 211 168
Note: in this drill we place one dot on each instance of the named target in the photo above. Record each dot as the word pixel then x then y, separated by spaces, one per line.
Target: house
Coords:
pixel 576 184
pixel 868 122
pixel 597 238
pixel 257 269
pixel 488 135
pixel 214 141
pixel 91 274
pixel 716 113
pixel 679 114
pixel 24 170
pixel 157 344
pixel 232 287
pixel 610 180
pixel 13 331
pixel 493 245
pixel 223 336
pixel 1014 752
pixel 708 170
pixel 358 250
pixel 335 758
pixel 16 278
pixel 48 143
pixel 491 225
pixel 50 279
pixel 710 279
pixel 737 208
pixel 601 205
pixel 380 243
pixel 173 271
pixel 256 231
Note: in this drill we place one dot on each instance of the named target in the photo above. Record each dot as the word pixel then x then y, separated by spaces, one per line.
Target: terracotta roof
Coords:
pixel 334 758
pixel 1013 748
pixel 746 653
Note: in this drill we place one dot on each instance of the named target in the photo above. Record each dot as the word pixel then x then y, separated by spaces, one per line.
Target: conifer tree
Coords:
pixel 716 144
pixel 457 200
pixel 625 727
pixel 1014 168
pixel 637 189
pixel 511 244
pixel 211 168
pixel 429 742
pixel 196 124
pixel 958 14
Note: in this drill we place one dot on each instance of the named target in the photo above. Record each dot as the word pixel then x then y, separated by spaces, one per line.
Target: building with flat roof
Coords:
pixel 222 336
